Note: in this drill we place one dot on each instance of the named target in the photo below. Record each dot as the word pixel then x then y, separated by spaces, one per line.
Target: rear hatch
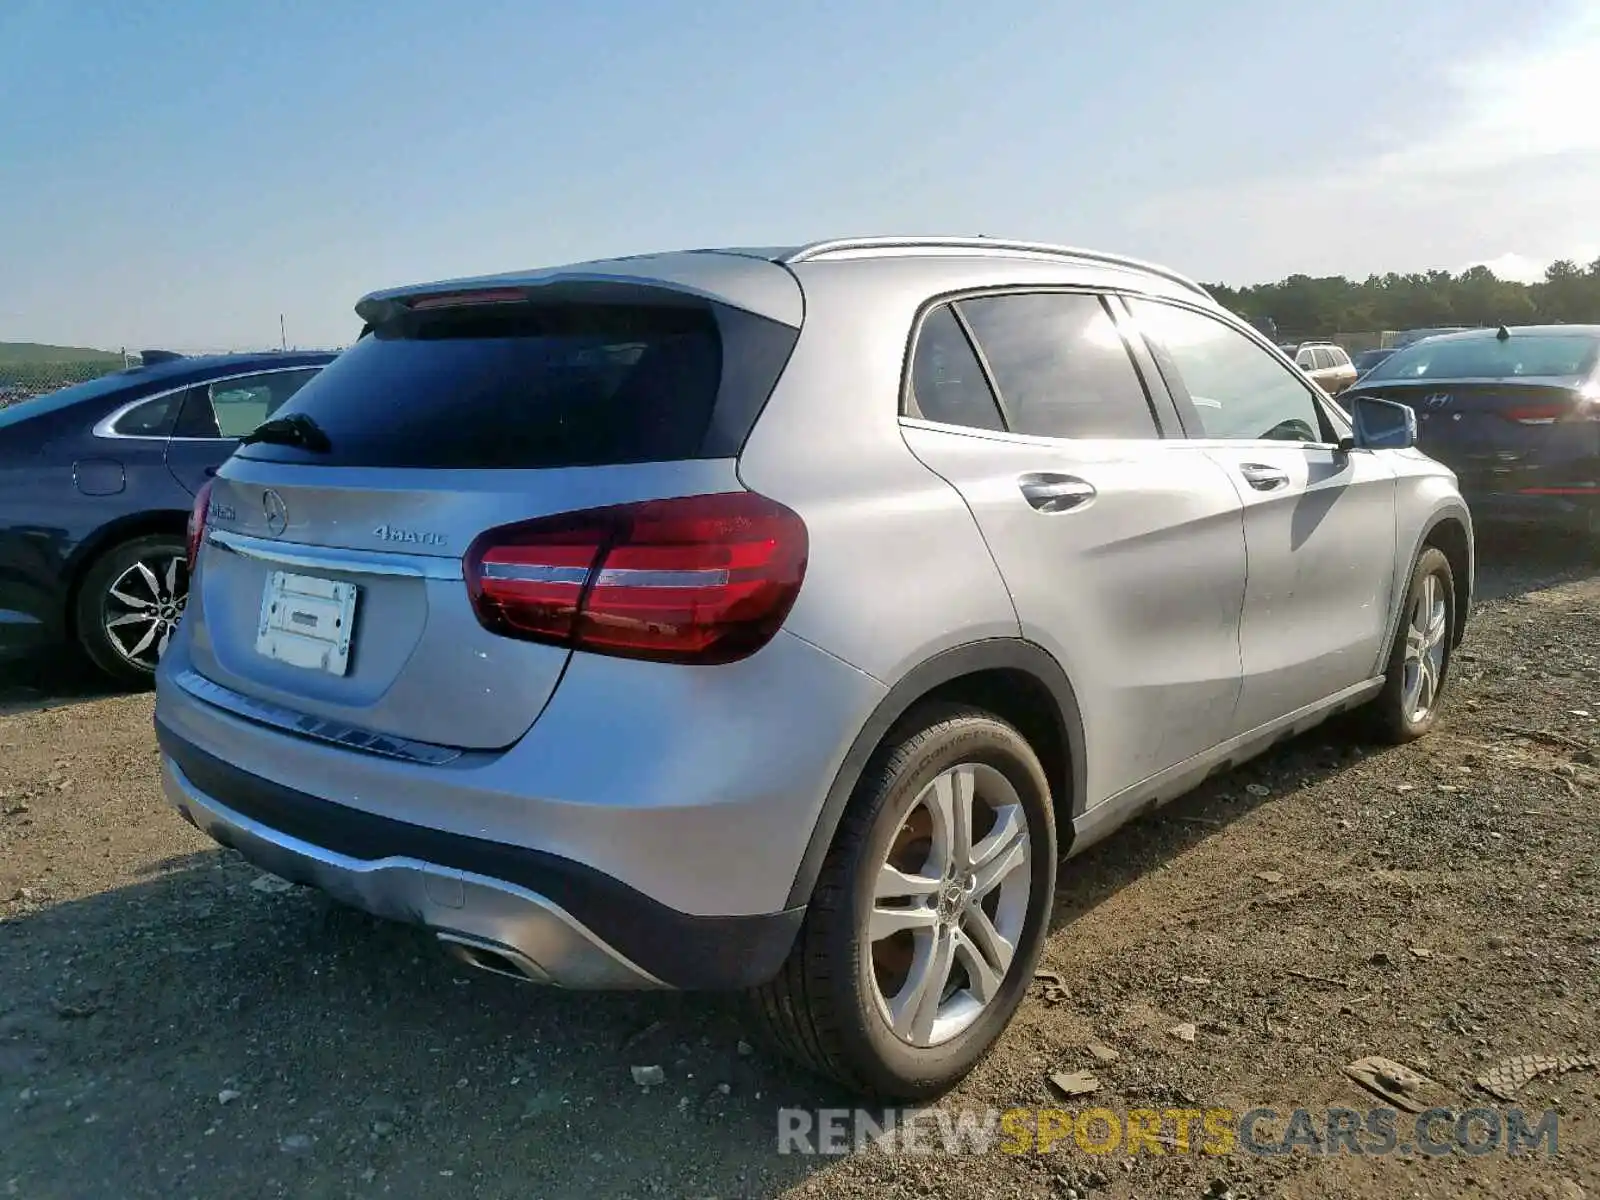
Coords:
pixel 1501 435
pixel 331 581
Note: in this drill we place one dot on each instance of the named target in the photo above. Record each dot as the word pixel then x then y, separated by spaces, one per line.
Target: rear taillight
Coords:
pixel 197 522
pixel 693 579
pixel 1538 414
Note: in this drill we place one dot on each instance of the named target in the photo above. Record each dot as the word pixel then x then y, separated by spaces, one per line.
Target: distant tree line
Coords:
pixel 1305 307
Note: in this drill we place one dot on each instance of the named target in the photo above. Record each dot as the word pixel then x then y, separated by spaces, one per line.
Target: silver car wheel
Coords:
pixel 142 607
pixel 1425 646
pixel 949 902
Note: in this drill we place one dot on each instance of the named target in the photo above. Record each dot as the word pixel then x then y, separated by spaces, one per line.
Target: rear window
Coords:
pixel 1490 358
pixel 543 386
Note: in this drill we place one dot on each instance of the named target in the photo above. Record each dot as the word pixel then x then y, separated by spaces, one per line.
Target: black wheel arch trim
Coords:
pixel 1462 516
pixel 680 949
pixel 991 654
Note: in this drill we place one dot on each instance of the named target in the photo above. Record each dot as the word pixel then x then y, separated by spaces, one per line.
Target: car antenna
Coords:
pixel 1503 333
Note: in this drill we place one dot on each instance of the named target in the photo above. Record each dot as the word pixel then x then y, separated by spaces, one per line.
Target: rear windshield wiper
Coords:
pixel 295 430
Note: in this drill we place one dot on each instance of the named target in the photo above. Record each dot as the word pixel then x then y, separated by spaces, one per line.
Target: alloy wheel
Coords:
pixel 1425 649
pixel 142 607
pixel 950 900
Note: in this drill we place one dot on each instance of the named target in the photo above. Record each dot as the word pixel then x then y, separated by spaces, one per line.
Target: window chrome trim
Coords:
pixel 105 427
pixel 317 729
pixel 346 561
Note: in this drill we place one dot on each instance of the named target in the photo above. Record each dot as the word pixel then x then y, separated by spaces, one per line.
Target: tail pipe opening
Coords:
pixel 496 959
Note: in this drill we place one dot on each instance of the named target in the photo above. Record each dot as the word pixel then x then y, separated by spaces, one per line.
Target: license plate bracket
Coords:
pixel 307 621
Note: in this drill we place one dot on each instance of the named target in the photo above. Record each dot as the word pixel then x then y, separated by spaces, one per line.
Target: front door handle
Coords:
pixel 1052 493
pixel 1264 478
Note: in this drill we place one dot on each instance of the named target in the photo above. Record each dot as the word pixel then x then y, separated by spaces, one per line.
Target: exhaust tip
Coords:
pixel 486 956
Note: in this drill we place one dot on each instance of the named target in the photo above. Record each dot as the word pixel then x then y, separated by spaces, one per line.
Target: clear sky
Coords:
pixel 179 172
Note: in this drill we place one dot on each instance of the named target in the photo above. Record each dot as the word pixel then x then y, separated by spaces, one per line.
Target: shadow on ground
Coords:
pixel 48 680
pixel 196 1034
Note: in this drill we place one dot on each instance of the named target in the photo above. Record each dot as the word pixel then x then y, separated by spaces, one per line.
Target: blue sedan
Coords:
pixel 96 485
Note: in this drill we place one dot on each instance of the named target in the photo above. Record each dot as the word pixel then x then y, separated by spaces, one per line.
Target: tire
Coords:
pixel 116 597
pixel 830 1006
pixel 1398 716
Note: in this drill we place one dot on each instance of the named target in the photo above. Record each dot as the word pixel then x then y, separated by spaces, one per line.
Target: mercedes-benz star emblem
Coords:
pixel 277 512
pixel 1438 399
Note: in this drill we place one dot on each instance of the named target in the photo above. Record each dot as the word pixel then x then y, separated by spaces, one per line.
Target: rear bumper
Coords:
pixel 555 921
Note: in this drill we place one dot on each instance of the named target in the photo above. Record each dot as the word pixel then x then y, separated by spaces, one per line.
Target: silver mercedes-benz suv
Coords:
pixel 776 619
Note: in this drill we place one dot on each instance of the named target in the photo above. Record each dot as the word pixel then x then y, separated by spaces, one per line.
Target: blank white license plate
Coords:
pixel 307 622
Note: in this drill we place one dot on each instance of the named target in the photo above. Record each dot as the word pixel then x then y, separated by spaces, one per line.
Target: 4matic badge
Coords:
pixel 411 537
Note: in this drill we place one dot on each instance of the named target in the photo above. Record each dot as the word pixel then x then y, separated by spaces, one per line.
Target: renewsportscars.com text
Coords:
pixel 1266 1132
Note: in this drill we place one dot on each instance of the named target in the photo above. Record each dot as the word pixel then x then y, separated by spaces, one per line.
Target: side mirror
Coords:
pixel 1382 424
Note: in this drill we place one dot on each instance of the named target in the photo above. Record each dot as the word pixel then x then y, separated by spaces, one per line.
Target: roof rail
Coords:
pixel 998 246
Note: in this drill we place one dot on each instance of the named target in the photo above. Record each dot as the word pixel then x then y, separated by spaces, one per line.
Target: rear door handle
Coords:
pixel 1052 493
pixel 1264 478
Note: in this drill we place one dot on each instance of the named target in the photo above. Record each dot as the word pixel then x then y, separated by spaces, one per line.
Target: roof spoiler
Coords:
pixel 150 357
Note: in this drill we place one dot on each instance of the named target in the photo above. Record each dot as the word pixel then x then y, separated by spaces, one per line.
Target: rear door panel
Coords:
pixel 1123 552
pixel 1137 594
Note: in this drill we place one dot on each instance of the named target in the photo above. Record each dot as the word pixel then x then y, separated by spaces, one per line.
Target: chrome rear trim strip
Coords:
pixel 319 729
pixel 324 558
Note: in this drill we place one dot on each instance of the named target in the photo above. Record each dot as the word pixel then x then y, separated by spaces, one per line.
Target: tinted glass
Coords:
pixel 1490 358
pixel 1325 359
pixel 1061 366
pixel 525 386
pixel 947 384
pixel 153 418
pixel 239 405
pixel 1239 390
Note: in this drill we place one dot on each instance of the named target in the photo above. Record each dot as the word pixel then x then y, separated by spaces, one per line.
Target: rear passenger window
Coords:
pixel 153 418
pixel 1060 365
pixel 947 384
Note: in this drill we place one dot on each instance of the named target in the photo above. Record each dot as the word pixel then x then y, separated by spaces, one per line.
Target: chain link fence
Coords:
pixel 22 380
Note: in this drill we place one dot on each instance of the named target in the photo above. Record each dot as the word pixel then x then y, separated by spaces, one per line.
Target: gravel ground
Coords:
pixel 170 1024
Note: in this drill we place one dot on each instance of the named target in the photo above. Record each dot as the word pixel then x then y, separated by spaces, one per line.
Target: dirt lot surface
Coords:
pixel 170 1024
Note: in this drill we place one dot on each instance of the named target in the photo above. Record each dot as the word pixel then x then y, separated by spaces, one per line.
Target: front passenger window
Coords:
pixel 1239 391
pixel 231 408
